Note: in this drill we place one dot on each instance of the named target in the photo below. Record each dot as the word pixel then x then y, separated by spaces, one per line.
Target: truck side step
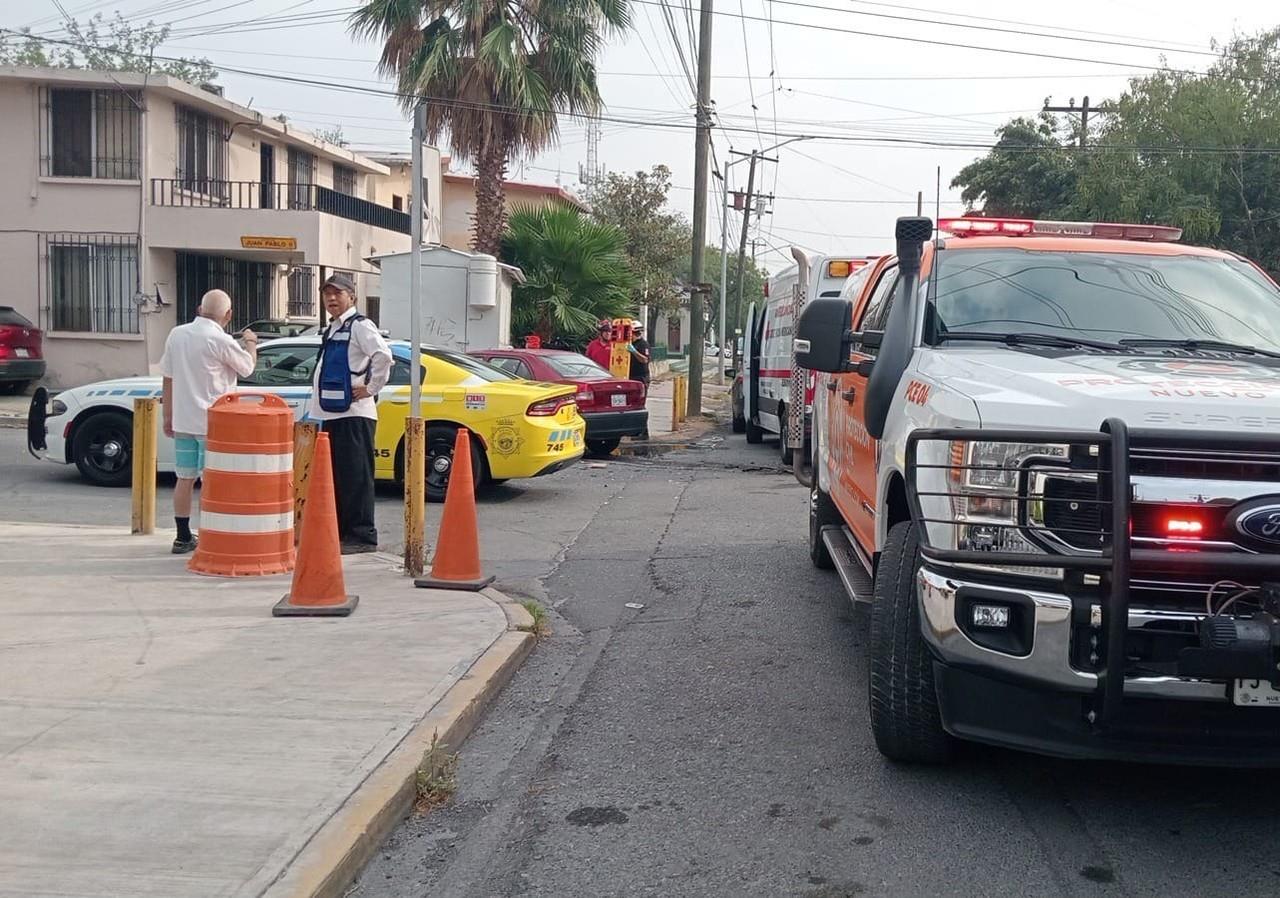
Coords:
pixel 853 574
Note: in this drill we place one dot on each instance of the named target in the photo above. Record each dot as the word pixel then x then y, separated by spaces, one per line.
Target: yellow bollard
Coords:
pixel 145 444
pixel 415 496
pixel 304 450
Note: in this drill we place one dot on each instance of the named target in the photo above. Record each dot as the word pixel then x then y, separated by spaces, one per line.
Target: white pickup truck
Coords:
pixel 1048 454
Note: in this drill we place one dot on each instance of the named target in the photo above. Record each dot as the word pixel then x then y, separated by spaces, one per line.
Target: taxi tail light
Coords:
pixel 545 408
pixel 1019 227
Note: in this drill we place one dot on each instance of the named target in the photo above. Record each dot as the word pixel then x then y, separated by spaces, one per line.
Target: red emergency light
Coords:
pixel 1183 528
pixel 1027 227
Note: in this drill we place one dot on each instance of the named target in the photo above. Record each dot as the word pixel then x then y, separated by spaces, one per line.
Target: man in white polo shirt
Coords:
pixel 200 363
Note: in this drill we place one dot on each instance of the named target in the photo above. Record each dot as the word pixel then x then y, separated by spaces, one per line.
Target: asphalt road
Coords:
pixel 715 741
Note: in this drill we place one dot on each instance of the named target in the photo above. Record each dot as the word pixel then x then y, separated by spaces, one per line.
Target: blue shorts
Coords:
pixel 188 456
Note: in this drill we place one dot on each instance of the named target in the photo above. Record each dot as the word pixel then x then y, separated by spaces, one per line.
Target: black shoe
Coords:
pixel 357 548
pixel 184 546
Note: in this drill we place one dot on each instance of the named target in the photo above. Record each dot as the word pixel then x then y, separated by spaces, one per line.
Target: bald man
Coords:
pixel 200 363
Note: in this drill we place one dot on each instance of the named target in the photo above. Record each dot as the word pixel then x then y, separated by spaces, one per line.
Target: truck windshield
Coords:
pixel 1114 297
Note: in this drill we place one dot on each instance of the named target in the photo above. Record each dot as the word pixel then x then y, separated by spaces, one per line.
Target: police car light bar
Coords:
pixel 1026 227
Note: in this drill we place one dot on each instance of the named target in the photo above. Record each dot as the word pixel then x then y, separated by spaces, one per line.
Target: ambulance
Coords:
pixel 1046 454
pixel 767 370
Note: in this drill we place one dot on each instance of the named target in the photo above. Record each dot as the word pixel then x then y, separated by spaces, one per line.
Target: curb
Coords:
pixel 13 422
pixel 341 848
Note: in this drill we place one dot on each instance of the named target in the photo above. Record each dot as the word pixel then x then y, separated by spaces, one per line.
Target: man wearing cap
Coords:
pixel 200 364
pixel 353 366
pixel 600 349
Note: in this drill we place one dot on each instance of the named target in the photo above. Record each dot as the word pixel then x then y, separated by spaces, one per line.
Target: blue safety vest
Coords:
pixel 335 368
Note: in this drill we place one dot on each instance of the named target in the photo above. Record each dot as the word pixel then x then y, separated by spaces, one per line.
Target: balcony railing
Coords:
pixel 258 195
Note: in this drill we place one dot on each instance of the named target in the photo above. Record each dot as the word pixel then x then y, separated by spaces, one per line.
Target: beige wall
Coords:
pixel 460 207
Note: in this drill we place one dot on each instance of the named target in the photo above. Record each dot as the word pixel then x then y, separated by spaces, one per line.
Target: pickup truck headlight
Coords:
pixel 989 487
pixel 57 408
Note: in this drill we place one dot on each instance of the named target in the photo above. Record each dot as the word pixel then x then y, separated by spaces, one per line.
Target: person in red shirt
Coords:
pixel 599 349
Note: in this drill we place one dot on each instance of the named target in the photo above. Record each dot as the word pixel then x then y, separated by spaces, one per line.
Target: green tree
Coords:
pixel 109 45
pixel 1028 174
pixel 1199 151
pixel 657 240
pixel 494 75
pixel 575 272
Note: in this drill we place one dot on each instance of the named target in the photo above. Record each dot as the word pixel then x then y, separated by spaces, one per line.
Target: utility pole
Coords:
pixel 415 441
pixel 700 176
pixel 1073 109
pixel 746 226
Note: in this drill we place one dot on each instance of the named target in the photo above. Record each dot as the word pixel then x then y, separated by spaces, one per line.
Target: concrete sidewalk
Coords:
pixel 714 398
pixel 13 410
pixel 161 734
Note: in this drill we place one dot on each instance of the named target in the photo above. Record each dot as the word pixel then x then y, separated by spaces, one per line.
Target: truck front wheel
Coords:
pixel 905 718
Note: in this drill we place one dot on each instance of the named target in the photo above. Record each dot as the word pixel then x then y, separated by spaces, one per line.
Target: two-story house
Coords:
pixel 127 196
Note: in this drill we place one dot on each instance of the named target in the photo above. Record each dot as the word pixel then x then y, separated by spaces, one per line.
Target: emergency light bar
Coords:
pixel 1026 227
pixel 842 268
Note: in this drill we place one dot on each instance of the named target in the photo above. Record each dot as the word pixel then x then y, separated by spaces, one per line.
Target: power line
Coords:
pixel 903 142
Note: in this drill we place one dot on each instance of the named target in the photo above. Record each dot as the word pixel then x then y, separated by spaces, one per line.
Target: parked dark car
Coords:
pixel 21 352
pixel 612 407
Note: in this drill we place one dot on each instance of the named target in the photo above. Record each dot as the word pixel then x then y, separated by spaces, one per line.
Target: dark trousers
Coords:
pixel 351 449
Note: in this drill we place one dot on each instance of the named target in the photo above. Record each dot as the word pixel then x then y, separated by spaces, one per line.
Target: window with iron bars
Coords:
pixel 202 151
pixel 90 134
pixel 302 174
pixel 91 282
pixel 302 293
pixel 344 180
pixel 249 284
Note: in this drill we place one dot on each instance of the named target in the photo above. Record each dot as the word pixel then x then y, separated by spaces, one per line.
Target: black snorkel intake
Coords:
pixel 899 332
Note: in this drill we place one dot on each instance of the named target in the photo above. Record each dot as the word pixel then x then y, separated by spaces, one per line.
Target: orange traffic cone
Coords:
pixel 457 560
pixel 318 587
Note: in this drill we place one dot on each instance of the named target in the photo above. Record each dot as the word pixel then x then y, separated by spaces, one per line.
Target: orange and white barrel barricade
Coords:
pixel 246 504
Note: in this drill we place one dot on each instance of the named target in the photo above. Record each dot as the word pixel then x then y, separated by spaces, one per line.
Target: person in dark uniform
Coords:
pixel 353 365
pixel 639 354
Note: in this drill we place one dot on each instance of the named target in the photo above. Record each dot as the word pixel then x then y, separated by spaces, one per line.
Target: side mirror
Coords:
pixel 822 339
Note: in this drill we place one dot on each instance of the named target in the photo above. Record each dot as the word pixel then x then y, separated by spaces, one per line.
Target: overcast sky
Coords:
pixel 812 71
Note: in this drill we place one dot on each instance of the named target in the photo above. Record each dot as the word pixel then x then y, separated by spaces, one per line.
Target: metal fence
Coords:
pixel 258 195
pixel 89 282
pixel 249 284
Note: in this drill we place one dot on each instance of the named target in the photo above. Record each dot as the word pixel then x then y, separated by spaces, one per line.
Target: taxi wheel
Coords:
pixel 103 449
pixel 440 440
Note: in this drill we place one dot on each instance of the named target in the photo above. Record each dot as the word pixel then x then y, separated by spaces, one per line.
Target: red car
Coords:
pixel 21 352
pixel 612 407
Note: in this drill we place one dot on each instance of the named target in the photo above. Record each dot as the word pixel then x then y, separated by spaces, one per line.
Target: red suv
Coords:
pixel 612 407
pixel 21 352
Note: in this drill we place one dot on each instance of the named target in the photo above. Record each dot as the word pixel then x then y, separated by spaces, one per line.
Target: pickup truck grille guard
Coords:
pixel 1106 456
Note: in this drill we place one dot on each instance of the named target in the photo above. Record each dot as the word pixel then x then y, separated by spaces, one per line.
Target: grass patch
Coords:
pixel 437 776
pixel 540 627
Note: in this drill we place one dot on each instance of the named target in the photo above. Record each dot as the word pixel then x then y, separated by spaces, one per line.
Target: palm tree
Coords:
pixel 575 272
pixel 494 74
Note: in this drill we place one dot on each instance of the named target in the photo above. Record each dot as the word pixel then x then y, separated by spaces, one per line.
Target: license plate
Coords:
pixel 21 353
pixel 618 399
pixel 1256 694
